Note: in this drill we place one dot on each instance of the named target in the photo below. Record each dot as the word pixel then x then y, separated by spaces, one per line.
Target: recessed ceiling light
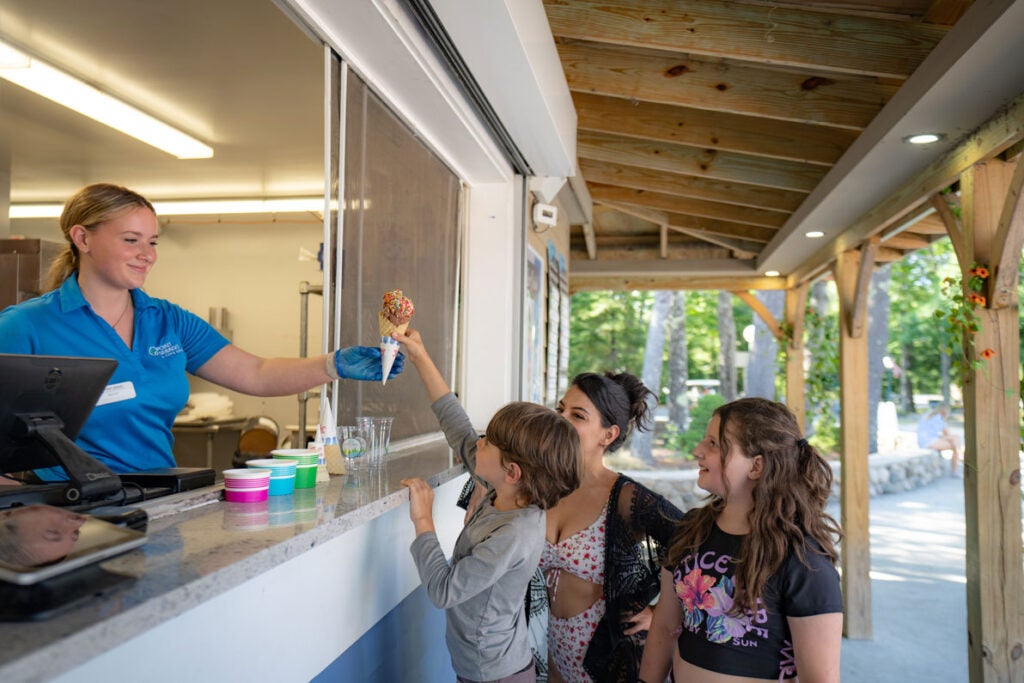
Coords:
pixel 923 138
pixel 771 273
pixel 813 234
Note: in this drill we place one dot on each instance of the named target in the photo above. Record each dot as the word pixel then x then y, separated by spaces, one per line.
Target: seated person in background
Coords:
pixel 97 309
pixel 933 433
pixel 528 460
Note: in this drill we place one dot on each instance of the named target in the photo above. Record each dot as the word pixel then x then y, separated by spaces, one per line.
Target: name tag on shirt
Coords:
pixel 122 391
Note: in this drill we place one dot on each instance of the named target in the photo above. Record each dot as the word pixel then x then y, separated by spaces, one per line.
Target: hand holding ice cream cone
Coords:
pixel 393 317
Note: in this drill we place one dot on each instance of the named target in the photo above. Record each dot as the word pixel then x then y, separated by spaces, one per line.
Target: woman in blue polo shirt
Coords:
pixel 97 309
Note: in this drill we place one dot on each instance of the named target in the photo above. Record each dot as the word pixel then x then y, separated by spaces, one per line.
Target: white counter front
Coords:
pixel 225 591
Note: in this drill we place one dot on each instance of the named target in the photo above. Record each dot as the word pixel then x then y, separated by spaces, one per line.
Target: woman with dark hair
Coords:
pixel 750 591
pixel 605 541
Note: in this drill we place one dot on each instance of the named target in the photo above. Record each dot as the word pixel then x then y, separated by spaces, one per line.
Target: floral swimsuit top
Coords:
pixel 582 555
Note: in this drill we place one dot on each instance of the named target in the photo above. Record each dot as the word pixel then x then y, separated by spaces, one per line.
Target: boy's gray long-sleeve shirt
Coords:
pixel 483 587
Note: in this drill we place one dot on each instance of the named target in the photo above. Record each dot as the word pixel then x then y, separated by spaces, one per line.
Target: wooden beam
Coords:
pixel 1001 131
pixel 1009 241
pixel 992 493
pixel 657 267
pixel 907 241
pixel 853 450
pixel 702 163
pixel 663 238
pixel 689 186
pixel 757 33
pixel 762 312
pixel 588 238
pixel 741 249
pixel 687 205
pixel 796 308
pixel 642 282
pixel 709 225
pixel 832 109
pixel 854 299
pixel 952 224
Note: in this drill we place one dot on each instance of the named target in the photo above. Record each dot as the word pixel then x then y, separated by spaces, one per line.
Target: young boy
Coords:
pixel 529 459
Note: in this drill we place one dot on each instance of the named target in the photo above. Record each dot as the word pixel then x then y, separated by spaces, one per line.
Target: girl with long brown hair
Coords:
pixel 750 591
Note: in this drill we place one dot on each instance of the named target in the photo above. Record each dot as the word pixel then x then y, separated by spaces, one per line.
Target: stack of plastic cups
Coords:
pixel 246 485
pixel 306 462
pixel 282 474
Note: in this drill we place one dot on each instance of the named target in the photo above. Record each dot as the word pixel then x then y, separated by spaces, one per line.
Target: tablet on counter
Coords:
pixel 38 542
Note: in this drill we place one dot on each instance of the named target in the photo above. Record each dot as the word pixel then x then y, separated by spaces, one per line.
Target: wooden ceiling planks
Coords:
pixel 712 121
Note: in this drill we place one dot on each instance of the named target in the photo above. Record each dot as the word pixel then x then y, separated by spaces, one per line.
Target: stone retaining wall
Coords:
pixel 887 473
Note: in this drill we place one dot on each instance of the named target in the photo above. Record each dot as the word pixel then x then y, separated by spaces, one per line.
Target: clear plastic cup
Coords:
pixel 377 432
pixel 353 447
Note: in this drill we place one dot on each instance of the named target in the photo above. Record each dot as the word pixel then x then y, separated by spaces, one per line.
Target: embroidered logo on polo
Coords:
pixel 165 350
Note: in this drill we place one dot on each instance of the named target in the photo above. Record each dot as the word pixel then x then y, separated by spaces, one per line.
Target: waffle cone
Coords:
pixel 387 327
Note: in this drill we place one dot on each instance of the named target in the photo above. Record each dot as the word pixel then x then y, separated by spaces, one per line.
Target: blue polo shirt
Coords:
pixel 133 433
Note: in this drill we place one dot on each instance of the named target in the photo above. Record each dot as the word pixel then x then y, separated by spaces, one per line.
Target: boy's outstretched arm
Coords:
pixel 431 376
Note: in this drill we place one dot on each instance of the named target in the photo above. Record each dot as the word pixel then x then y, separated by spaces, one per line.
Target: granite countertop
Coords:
pixel 200 546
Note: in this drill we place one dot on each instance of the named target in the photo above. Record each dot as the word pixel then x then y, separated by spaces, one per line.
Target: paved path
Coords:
pixel 918 594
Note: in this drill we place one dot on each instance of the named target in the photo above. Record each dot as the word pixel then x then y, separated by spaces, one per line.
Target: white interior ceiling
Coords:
pixel 237 74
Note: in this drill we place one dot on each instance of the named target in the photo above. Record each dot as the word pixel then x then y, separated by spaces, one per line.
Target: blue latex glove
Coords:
pixel 363 363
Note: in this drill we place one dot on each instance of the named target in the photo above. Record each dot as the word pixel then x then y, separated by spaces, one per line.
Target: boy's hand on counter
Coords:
pixel 421 504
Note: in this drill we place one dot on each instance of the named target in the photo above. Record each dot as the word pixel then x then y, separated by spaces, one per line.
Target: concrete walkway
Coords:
pixel 918 593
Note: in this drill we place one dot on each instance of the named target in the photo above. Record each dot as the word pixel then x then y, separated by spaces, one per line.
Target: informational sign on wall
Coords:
pixel 553 327
pixel 533 363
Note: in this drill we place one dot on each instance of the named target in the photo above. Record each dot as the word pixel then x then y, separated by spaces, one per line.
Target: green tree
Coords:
pixel 608 331
pixel 915 292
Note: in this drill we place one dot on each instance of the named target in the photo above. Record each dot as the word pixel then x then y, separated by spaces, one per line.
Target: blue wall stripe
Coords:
pixel 406 645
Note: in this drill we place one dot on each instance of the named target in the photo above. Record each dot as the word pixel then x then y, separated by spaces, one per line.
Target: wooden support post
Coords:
pixel 992 222
pixel 796 392
pixel 853 436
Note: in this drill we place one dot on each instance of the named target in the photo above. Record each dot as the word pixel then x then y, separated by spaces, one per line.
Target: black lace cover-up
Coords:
pixel 638 531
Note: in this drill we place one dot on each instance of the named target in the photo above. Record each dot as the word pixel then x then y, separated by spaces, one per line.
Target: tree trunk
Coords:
pixel 727 347
pixel 878 337
pixel 763 367
pixel 654 353
pixel 678 364
pixel 906 385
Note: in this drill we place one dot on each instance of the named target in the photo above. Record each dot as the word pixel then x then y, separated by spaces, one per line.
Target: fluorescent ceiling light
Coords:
pixel 41 78
pixel 771 273
pixel 194 208
pixel 814 234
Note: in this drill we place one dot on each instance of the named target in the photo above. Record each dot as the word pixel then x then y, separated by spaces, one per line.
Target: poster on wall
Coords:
pixel 533 364
pixel 554 328
pixel 563 321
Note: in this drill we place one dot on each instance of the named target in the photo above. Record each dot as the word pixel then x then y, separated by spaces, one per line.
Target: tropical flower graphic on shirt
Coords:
pixel 703 601
pixel 694 593
pixel 722 626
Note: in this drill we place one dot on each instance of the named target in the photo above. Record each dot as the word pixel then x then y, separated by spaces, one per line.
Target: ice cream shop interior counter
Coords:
pixel 315 585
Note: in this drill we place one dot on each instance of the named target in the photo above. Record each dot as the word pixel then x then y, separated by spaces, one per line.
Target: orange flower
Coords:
pixel 976 299
pixel 980 271
pixel 988 353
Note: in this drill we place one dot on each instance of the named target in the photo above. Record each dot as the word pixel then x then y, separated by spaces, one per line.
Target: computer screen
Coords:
pixel 46 394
